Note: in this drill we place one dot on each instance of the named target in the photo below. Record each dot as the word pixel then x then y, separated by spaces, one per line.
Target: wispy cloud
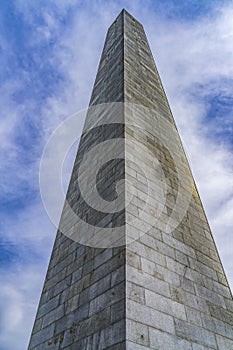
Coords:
pixel 22 286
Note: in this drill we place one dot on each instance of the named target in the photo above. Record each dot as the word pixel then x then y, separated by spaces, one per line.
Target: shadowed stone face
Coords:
pixel 105 177
pixel 134 265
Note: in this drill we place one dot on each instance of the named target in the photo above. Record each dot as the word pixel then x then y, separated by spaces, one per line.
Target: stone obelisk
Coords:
pixel 146 273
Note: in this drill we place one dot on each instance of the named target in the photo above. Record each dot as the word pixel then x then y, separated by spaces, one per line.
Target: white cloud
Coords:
pixel 200 52
pixel 20 288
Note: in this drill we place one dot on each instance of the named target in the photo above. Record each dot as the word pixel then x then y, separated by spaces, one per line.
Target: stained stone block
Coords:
pixel 165 305
pixel 150 317
pixel 163 341
pixel 224 343
pixel 195 334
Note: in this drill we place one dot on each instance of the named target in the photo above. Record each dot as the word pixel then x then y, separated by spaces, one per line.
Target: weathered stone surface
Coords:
pixel 163 341
pixel 165 289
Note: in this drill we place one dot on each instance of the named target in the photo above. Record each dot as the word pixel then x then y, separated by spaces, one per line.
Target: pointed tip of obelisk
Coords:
pixel 125 14
pixel 124 11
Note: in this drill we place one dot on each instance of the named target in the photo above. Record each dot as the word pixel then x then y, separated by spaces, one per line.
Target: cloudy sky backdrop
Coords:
pixel 49 53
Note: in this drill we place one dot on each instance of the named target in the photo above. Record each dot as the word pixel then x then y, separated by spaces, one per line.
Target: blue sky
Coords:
pixel 49 52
